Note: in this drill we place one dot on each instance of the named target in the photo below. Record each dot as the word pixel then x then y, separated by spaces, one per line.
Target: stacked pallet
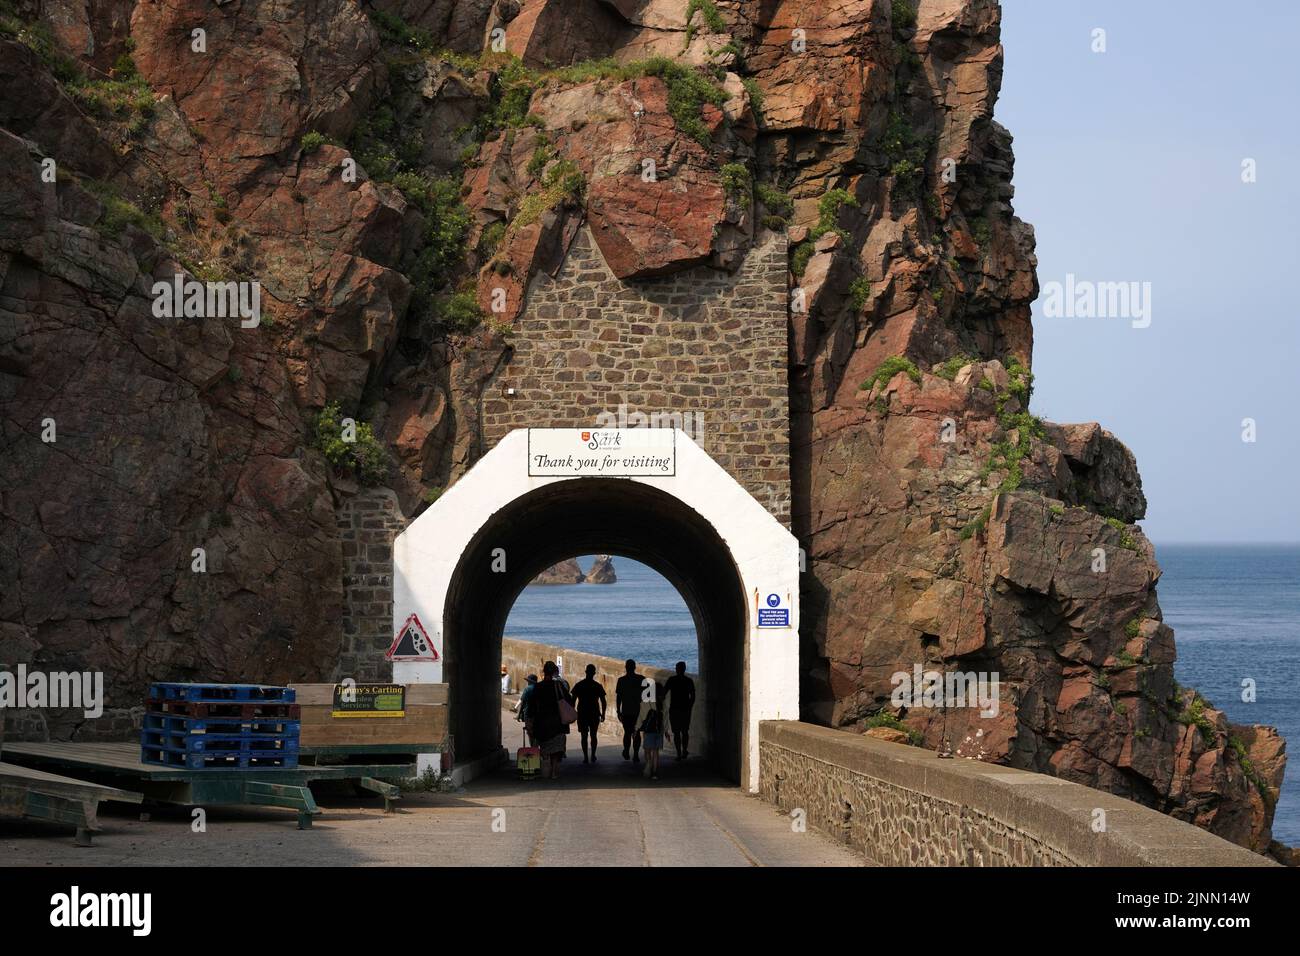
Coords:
pixel 216 726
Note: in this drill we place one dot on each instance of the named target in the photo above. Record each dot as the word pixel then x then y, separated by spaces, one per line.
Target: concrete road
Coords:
pixel 602 814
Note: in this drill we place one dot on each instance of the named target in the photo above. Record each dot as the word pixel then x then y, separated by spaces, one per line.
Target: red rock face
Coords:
pixel 944 529
pixel 654 224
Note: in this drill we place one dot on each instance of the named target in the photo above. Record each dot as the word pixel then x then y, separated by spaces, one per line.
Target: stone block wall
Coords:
pixel 368 522
pixel 904 806
pixel 705 344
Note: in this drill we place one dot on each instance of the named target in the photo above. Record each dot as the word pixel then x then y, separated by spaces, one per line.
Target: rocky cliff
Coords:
pixel 394 174
pixel 602 571
pixel 566 572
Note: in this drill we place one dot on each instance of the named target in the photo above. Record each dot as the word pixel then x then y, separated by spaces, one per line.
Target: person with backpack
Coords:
pixel 522 713
pixel 651 725
pixel 551 708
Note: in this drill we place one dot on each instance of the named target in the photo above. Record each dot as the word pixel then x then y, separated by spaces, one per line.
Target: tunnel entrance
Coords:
pixel 564 520
pixel 461 565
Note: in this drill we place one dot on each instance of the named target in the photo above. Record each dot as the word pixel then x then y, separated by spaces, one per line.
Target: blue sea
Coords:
pixel 1235 610
pixel 640 616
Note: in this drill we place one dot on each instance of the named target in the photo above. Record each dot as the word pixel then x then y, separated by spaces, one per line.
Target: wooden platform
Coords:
pixel 119 765
pixel 41 795
pixel 423 728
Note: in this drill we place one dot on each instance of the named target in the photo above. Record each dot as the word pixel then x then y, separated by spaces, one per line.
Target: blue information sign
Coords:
pixel 775 614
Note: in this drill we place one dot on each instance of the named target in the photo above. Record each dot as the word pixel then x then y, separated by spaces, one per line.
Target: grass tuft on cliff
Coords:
pixel 351 446
pixel 891 367
pixel 123 95
pixel 828 211
pixel 886 719
pixel 738 183
pixel 952 366
pixel 562 182
pixel 119 212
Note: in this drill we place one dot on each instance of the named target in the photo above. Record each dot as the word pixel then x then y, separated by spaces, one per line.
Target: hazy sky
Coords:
pixel 1128 165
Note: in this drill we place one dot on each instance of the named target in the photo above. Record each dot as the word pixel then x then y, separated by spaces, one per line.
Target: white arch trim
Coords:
pixel 766 555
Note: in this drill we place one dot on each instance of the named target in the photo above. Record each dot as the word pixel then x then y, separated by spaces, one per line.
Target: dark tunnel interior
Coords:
pixel 587 516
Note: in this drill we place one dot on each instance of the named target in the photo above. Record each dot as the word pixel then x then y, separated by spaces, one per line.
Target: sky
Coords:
pixel 1129 167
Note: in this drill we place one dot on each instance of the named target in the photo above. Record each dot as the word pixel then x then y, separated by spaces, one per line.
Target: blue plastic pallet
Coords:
pixel 221 725
pixel 204 761
pixel 219 743
pixel 222 693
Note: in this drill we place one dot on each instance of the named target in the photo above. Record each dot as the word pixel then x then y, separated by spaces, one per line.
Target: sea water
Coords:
pixel 1235 611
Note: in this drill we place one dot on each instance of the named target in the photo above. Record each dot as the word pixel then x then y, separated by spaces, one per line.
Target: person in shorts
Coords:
pixel 627 704
pixel 589 696
pixel 680 691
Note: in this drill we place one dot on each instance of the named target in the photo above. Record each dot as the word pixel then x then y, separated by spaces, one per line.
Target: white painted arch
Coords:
pixel 427 554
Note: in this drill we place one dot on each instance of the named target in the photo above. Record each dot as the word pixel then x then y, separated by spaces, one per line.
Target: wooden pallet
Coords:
pixel 119 764
pixel 40 795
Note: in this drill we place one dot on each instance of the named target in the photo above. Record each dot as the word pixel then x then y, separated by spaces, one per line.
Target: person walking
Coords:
pixel 548 724
pixel 627 705
pixel 589 698
pixel 651 725
pixel 680 691
pixel 523 714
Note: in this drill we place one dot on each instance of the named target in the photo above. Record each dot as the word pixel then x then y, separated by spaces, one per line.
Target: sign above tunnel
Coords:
pixel 602 452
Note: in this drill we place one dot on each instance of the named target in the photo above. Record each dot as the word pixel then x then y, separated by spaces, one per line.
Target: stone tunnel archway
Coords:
pixel 697 527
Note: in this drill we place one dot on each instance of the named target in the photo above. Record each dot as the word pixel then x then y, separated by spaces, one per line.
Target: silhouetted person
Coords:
pixel 548 728
pixel 627 704
pixel 681 700
pixel 589 697
pixel 530 685
pixel 651 725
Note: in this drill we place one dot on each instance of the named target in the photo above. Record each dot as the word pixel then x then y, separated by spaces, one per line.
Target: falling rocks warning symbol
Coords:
pixel 412 643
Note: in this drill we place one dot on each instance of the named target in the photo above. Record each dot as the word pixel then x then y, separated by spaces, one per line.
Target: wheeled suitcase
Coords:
pixel 528 760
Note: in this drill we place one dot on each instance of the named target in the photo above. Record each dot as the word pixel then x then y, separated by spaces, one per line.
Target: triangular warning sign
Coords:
pixel 412 643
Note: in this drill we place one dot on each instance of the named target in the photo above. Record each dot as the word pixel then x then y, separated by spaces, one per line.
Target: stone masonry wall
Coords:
pixel 368 522
pixel 904 806
pixel 704 341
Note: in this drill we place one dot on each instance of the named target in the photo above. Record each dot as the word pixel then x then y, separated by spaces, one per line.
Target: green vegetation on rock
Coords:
pixel 708 13
pixel 891 367
pixel 563 182
pixel 393 29
pixel 952 366
pixel 886 719
pixel 828 210
pixel 738 183
pixel 779 206
pixel 860 292
pixel 903 13
pixel 362 456
pixel 906 156
pixel 120 212
pixel 123 96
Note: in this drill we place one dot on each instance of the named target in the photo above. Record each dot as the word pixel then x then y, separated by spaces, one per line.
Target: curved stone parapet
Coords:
pixel 904 806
